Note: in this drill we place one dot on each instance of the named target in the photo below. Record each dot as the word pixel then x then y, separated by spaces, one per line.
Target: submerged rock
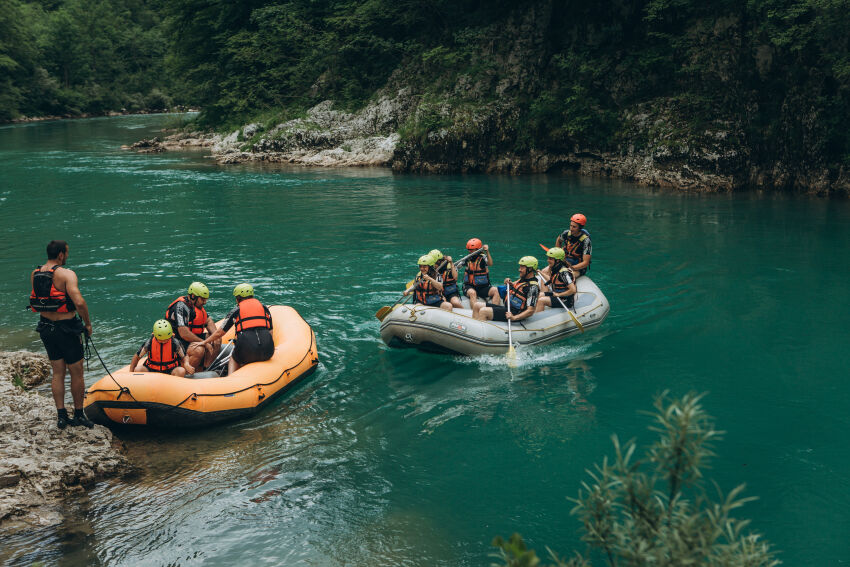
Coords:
pixel 39 463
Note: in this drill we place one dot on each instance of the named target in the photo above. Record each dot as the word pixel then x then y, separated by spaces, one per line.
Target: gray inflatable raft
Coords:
pixel 435 330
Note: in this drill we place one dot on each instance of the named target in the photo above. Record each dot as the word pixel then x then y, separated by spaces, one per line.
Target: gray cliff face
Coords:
pixel 40 463
pixel 477 122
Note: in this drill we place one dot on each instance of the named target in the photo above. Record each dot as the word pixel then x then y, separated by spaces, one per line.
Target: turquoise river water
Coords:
pixel 388 457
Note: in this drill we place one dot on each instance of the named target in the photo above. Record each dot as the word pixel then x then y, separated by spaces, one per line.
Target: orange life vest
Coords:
pixel 163 356
pixel 573 246
pixel 449 279
pixel 252 314
pixel 558 285
pixel 45 297
pixel 426 293
pixel 519 295
pixel 198 324
pixel 477 272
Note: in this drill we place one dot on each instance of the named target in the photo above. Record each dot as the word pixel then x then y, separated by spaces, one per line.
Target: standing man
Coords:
pixel 253 322
pixel 188 317
pixel 56 297
pixel 575 241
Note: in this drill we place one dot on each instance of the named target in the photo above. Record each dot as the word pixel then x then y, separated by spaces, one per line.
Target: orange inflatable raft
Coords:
pixel 162 400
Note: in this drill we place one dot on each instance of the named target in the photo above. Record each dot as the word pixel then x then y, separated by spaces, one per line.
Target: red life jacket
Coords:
pixel 426 293
pixel 477 272
pixel 252 314
pixel 198 324
pixel 45 297
pixel 163 356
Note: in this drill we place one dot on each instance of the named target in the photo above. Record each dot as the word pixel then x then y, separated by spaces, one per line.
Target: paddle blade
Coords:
pixel 511 356
pixel 383 312
pixel 410 284
pixel 544 248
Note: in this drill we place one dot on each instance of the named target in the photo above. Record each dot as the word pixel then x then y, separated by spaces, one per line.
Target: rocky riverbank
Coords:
pixel 39 463
pixel 654 151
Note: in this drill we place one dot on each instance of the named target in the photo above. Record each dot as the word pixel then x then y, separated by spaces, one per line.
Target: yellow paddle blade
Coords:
pixel 410 284
pixel 511 356
pixel 576 321
pixel 383 312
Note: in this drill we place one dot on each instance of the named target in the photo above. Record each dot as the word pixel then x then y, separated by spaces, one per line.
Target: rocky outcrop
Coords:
pixel 39 463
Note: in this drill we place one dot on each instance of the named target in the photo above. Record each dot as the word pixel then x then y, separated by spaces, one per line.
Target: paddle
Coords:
pixel 544 248
pixel 385 310
pixel 575 320
pixel 511 356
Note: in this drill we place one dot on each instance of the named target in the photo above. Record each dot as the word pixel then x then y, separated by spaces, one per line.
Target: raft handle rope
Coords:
pixel 194 396
pixel 121 389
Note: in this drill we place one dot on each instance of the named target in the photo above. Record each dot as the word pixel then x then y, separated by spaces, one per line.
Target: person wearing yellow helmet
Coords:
pixel 446 269
pixel 191 323
pixel 575 241
pixel 164 353
pixel 427 288
pixel 557 282
pixel 523 296
pixel 253 323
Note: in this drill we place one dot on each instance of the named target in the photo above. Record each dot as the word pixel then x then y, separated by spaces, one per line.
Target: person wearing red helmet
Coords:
pixel 575 241
pixel 476 280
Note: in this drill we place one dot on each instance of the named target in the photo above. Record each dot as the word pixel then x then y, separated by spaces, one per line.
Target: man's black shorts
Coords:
pixel 62 339
pixel 481 290
pixel 253 345
pixel 499 312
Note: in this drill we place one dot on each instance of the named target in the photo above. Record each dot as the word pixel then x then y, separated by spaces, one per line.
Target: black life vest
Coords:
pixel 198 319
pixel 45 297
pixel 252 314
pixel 519 295
pixel 427 293
pixel 573 246
pixel 558 285
pixel 163 357
pixel 477 272
pixel 449 279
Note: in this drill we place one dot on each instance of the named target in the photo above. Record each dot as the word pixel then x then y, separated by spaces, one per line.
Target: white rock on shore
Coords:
pixel 40 463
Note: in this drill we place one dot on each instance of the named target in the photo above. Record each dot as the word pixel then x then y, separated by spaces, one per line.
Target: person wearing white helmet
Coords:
pixel 164 351
pixel 191 323
pixel 253 323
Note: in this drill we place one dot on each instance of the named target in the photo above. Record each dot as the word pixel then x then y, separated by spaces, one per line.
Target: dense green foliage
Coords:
pixel 657 509
pixel 567 74
pixel 76 56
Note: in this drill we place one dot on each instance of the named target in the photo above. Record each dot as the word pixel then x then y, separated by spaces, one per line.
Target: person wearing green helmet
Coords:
pixel 192 324
pixel 253 323
pixel 523 296
pixel 557 282
pixel 446 269
pixel 427 288
pixel 164 353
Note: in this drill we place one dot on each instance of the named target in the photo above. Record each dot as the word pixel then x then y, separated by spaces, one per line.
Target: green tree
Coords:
pixel 657 509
